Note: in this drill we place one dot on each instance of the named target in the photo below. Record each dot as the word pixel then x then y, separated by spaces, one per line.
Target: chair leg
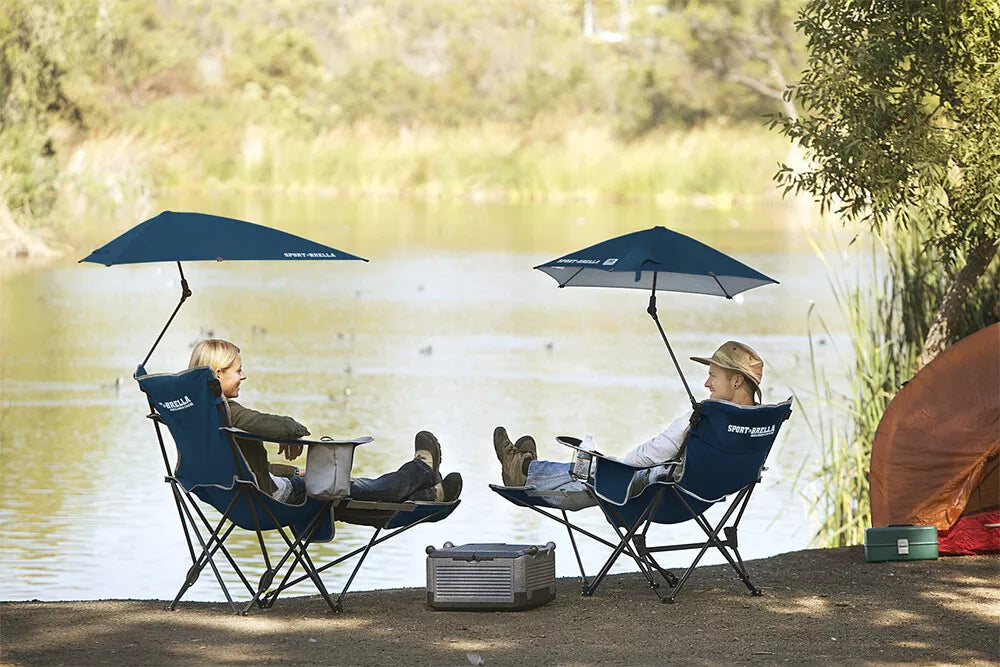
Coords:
pixel 733 542
pixel 357 566
pixel 300 549
pixel 571 528
pixel 672 597
pixel 267 576
pixel 373 542
pixel 178 502
pixel 189 525
pixel 216 543
pixel 648 564
pixel 738 568
pixel 209 549
pixel 576 552
pixel 206 557
pixel 640 546
pixel 623 546
pixel 713 541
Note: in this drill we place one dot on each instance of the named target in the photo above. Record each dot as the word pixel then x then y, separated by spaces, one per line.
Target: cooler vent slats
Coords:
pixel 492 582
pixel 540 574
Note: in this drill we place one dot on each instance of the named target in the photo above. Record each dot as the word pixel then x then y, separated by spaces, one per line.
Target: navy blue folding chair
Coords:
pixel 211 468
pixel 723 456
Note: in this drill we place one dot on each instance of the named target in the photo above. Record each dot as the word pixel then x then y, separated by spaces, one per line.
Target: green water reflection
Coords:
pixel 447 328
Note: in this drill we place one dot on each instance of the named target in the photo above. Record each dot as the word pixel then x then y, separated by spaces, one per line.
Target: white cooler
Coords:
pixel 491 576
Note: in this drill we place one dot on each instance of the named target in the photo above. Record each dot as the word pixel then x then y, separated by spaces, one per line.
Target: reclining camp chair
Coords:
pixel 211 468
pixel 723 455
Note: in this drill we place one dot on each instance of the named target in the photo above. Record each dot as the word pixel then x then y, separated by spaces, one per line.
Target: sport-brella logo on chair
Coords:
pixel 753 431
pixel 177 405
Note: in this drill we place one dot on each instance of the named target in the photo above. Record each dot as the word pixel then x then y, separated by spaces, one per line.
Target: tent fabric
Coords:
pixel 938 437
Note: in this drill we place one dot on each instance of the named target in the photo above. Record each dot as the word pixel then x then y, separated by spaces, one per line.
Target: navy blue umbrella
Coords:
pixel 186 237
pixel 656 259
pixel 658 256
pixel 183 237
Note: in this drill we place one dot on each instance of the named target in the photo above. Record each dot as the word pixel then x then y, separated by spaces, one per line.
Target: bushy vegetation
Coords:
pixel 899 118
pixel 889 309
pixel 513 99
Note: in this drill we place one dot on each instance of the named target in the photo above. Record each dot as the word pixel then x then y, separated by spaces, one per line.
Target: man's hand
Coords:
pixel 290 450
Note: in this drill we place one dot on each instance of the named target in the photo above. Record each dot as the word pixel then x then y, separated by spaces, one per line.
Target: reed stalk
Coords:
pixel 889 309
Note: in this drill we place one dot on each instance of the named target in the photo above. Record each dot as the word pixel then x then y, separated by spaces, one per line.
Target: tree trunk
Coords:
pixel 954 299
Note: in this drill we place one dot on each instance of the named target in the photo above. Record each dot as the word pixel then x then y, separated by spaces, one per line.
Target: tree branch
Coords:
pixel 755 85
pixel 961 286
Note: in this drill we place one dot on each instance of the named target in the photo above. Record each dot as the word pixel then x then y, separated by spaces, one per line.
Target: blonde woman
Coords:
pixel 417 479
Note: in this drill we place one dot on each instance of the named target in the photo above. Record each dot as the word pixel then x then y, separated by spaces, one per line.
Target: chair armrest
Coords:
pixel 574 443
pixel 612 479
pixel 362 440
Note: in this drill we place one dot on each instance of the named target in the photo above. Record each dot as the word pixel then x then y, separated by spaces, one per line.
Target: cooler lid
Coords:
pixel 489 551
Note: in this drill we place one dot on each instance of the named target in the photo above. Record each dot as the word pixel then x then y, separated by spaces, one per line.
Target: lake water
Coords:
pixel 448 328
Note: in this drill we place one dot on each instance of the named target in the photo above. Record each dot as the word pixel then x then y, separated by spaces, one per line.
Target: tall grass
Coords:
pixel 548 161
pixel 889 310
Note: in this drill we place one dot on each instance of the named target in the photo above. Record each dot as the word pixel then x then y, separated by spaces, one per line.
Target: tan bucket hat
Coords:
pixel 736 356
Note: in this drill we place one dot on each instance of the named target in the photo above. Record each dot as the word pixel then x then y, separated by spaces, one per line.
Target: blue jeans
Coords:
pixel 554 476
pixel 413 481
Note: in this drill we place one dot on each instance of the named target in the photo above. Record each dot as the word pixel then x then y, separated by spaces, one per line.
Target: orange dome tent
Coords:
pixel 935 455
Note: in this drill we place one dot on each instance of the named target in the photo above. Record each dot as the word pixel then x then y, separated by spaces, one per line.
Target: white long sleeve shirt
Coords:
pixel 663 447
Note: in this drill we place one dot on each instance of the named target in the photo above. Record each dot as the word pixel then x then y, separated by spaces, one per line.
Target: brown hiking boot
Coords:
pixel 526 444
pixel 513 462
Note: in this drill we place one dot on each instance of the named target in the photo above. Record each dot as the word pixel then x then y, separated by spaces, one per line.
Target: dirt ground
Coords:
pixel 818 606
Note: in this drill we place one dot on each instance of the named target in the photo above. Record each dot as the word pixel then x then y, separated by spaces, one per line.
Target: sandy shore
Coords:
pixel 818 606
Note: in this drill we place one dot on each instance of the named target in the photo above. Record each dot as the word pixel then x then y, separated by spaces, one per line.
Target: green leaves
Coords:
pixel 898 99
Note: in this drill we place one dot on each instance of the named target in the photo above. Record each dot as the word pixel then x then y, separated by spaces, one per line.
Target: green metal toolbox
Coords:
pixel 901 542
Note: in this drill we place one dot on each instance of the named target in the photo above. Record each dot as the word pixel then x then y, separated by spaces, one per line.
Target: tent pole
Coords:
pixel 652 313
pixel 185 293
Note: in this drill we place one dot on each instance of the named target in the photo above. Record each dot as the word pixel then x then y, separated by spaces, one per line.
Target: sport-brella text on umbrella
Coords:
pixel 656 258
pixel 178 236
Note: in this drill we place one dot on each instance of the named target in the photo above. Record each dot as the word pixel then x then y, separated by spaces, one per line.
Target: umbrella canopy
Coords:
pixel 184 237
pixel 656 257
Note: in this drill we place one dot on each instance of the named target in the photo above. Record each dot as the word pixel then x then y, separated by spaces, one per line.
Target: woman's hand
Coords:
pixel 290 450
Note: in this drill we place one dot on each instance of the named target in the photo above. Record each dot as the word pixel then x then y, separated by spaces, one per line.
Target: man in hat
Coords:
pixel 735 372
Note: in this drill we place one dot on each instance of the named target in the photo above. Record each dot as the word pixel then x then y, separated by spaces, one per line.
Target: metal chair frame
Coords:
pixel 209 539
pixel 632 529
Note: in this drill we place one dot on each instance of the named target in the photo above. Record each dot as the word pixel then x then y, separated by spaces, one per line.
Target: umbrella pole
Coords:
pixel 651 309
pixel 185 293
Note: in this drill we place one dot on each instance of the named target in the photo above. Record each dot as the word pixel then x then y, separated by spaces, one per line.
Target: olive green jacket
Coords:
pixel 269 426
